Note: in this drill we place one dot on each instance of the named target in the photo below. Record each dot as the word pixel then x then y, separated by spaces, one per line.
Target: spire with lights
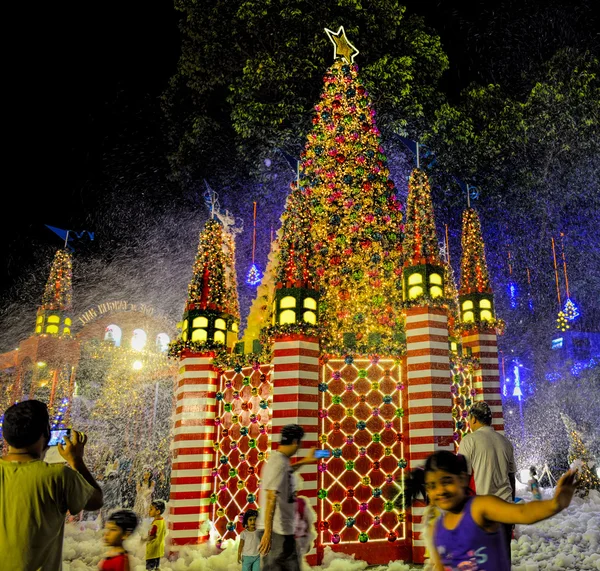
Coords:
pixel 53 317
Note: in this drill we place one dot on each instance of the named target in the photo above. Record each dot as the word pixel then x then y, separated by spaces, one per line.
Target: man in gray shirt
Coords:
pixel 490 458
pixel 278 503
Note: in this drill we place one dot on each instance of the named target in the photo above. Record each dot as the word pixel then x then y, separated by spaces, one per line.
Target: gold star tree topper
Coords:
pixel 342 47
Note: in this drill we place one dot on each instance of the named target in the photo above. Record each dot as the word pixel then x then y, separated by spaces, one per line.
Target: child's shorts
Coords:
pixel 153 563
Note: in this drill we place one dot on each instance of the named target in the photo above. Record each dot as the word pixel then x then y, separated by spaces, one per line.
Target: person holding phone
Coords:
pixel 34 495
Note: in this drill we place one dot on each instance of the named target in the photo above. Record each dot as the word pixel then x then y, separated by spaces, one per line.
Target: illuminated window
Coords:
pixel 453 346
pixel 234 327
pixel 287 316
pixel 138 341
pixel 219 337
pixel 415 291
pixel 68 321
pixel 287 301
pixel 436 291
pixel 52 329
pixel 310 303
pixel 39 319
pixel 220 324
pixel 468 316
pixel 310 317
pixel 66 331
pixel 467 305
pixel 485 315
pixel 199 335
pixel 486 303
pixel 53 319
pixel 184 334
pixel 113 334
pixel 198 322
pixel 38 329
pixel 415 279
pixel 184 324
pixel 435 279
pixel 162 342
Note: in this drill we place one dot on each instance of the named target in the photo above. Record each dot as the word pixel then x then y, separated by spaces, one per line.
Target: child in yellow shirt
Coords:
pixel 155 546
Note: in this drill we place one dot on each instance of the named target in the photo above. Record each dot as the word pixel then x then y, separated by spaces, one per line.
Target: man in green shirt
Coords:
pixel 35 496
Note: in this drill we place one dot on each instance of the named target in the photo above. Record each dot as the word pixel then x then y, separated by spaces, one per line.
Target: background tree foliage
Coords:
pixel 250 73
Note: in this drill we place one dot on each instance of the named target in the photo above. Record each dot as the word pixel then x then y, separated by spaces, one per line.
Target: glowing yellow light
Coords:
pixel 137 365
pixel 310 317
pixel 435 279
pixel 310 303
pixel 287 316
pixel 220 324
pixel 467 304
pixel 53 319
pixel 219 337
pixel 415 291
pixel 52 329
pixel 287 301
pixel 468 316
pixel 200 321
pixel 415 279
pixel 436 291
pixel 485 303
pixel 486 315
pixel 199 335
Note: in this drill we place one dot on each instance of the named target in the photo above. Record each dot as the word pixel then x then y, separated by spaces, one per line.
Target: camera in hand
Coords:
pixel 59 436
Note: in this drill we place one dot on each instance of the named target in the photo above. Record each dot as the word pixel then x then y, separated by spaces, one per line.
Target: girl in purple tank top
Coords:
pixel 468 536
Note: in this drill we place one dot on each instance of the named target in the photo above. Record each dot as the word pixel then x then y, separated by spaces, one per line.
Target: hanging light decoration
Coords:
pixel 253 278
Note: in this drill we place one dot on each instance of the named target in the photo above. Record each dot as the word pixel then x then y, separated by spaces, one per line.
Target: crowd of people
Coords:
pixel 468 523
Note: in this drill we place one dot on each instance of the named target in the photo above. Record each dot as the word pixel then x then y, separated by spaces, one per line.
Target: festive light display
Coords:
pixel 356 225
pixel 361 412
pixel 296 265
pixel 59 291
pixel 208 289
pixel 474 276
pixel 253 277
pixel 420 240
pixel 570 310
pixel 463 395
pixel 580 458
pixel 562 323
pixel 242 444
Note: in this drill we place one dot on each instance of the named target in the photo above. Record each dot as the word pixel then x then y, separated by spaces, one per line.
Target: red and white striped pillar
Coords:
pixel 430 425
pixel 192 450
pixel 295 380
pixel 484 347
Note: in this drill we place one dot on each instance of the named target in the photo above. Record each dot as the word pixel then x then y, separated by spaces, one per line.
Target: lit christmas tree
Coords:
pixel 580 458
pixel 356 224
pixel 475 293
pixel 420 240
pixel 474 276
pixel 58 292
pixel 562 322
pixel 295 267
pixel 570 310
pixel 208 288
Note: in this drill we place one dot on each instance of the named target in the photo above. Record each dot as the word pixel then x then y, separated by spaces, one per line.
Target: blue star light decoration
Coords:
pixel 253 278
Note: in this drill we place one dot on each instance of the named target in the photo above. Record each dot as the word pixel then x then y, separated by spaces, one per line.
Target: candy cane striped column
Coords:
pixel 192 450
pixel 295 401
pixel 484 347
pixel 430 425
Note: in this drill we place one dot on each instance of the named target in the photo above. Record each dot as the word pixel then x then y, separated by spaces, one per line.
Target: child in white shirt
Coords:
pixel 250 538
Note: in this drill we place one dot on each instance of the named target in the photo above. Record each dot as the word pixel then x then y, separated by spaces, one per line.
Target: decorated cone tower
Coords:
pixel 52 352
pixel 294 335
pixel 478 321
pixel 427 360
pixel 208 326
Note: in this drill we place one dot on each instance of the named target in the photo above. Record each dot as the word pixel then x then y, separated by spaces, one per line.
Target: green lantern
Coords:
pixel 423 280
pixel 476 307
pixel 295 305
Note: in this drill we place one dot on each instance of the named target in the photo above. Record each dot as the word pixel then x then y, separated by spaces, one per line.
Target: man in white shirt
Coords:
pixel 490 458
pixel 278 503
